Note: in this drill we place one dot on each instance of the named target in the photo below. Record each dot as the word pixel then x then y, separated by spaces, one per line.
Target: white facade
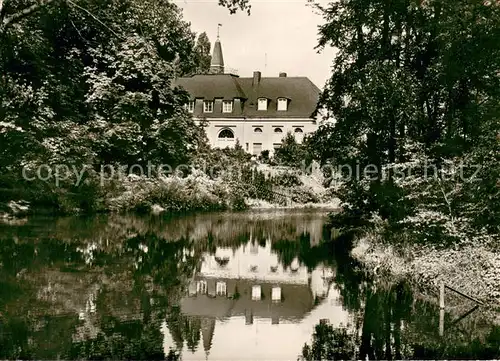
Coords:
pixel 256 135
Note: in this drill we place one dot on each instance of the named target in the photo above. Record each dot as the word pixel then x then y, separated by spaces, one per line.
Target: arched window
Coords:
pixel 257 130
pixel 298 130
pixel 226 134
pixel 278 130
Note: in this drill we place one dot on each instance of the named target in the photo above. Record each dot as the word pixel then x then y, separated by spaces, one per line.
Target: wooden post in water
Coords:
pixel 441 310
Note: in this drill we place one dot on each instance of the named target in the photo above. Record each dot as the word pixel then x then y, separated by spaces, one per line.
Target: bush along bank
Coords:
pixel 471 266
pixel 217 180
pixel 131 193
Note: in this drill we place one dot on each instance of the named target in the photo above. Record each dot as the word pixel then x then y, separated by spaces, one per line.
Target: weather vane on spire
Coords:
pixel 218 27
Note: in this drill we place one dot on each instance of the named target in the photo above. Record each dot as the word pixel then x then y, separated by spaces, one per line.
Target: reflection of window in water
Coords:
pixel 276 294
pixel 201 287
pixel 256 293
pixel 221 288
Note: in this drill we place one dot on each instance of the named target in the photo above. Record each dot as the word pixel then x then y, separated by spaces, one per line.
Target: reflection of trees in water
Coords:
pixel 184 329
pixel 143 275
pixel 330 343
pixel 300 248
pixel 135 296
pixel 384 309
pixel 140 276
pixel 126 340
pixel 224 227
pixel 380 327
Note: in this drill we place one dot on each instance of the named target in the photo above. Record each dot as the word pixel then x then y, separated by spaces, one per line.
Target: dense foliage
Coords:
pixel 293 153
pixel 88 83
pixel 415 97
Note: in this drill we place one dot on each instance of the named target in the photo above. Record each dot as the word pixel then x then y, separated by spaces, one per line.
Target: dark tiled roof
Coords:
pixel 303 95
pixel 212 86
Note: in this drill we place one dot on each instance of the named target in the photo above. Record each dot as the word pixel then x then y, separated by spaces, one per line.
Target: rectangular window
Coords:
pixel 282 104
pixel 208 106
pixel 227 106
pixel 262 104
pixel 257 148
pixel 276 146
pixel 190 107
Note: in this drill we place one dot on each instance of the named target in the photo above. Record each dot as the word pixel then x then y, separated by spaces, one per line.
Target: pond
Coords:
pixel 256 285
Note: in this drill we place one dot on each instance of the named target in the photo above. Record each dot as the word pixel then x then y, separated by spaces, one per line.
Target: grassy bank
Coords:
pixel 254 186
pixel 472 268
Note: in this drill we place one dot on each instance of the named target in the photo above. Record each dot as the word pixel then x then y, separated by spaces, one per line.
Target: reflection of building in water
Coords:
pixel 245 294
pixel 252 262
pixel 249 281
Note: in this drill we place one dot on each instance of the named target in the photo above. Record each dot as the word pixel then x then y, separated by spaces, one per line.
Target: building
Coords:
pixel 249 281
pixel 250 306
pixel 257 111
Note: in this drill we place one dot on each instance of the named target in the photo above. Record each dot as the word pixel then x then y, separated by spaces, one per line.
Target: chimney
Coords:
pixel 256 77
pixel 282 75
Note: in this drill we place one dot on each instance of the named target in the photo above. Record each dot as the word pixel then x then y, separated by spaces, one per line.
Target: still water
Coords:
pixel 229 286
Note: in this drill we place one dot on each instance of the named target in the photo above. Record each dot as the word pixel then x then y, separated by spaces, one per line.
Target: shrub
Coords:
pixel 304 195
pixel 287 180
pixel 291 153
pixel 264 156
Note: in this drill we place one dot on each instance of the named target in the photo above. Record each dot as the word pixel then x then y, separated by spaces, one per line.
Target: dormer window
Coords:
pixel 262 104
pixel 227 106
pixel 282 104
pixel 208 106
pixel 190 107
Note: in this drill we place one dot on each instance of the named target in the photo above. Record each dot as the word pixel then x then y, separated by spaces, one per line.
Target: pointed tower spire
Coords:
pixel 217 64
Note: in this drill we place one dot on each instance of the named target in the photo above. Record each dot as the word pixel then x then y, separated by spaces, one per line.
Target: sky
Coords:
pixel 285 30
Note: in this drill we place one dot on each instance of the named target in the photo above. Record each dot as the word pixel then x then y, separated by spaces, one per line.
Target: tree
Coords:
pixel 89 82
pixel 291 153
pixel 413 82
pixel 10 14
pixel 202 51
